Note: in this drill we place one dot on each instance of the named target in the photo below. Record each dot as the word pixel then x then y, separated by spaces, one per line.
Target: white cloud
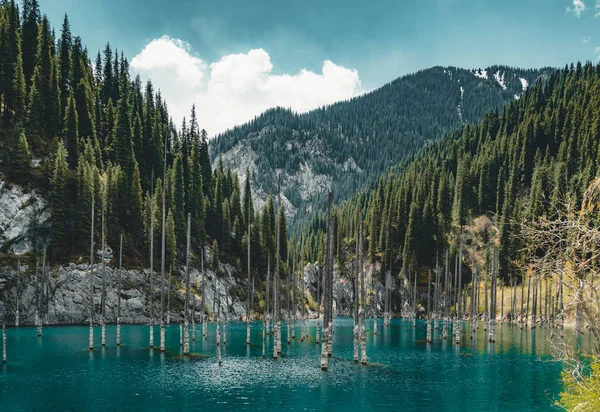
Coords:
pixel 586 40
pixel 597 52
pixel 578 8
pixel 238 87
pixel 597 14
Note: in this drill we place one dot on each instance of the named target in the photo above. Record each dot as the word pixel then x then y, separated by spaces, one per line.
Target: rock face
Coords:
pixel 68 299
pixel 23 216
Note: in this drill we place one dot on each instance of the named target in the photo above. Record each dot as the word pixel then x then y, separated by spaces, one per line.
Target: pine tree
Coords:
pixel 71 132
pixel 59 206
pixel 65 62
pixel 29 40
pixel 22 166
pixel 283 246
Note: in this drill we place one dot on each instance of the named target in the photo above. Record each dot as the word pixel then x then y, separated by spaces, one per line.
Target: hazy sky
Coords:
pixel 235 58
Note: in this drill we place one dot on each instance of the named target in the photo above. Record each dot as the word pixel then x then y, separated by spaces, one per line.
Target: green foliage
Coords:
pixel 95 127
pixel 583 392
pixel 22 166
pixel 508 166
pixel 59 204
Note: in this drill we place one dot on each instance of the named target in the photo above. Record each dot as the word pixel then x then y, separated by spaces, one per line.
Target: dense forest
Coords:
pixel 510 167
pixel 354 142
pixel 86 135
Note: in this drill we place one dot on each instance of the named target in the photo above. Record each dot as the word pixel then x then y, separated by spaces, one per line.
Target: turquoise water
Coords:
pixel 58 372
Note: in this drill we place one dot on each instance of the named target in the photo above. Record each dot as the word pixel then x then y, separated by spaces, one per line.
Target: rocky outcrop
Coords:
pixel 68 298
pixel 23 216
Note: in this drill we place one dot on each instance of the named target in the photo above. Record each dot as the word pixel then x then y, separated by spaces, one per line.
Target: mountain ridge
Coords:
pixel 348 144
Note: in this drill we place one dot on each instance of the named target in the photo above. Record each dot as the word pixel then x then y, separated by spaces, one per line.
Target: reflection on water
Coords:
pixel 58 372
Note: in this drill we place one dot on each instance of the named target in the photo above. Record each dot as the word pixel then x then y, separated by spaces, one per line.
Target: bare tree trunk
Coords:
pixel 429 339
pixel 534 309
pixel 414 314
pixel 528 294
pixel 486 313
pixel 219 331
pixel 562 305
pixel 163 256
pixel 473 295
pixel 287 301
pixel 355 299
pixel 225 318
pixel 150 277
pixel 186 330
pixel 446 299
pixel 91 345
pixel 522 300
pixel 363 338
pixel 17 300
pixel 169 295
pixel 459 313
pixel 203 309
pixel 319 286
pixel 276 289
pixel 248 303
pixel 327 291
pixel 103 299
pixel 492 336
pixel 514 302
pixel 303 304
pixel 502 302
pixel 267 292
pixel 294 303
pixel 37 298
pixel 3 343
pixel 119 291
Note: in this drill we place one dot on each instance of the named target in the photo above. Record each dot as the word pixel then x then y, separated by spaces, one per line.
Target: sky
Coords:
pixel 234 59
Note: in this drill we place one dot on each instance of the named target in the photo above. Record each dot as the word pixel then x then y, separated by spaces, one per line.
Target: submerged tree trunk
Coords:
pixel 303 303
pixel 327 291
pixel 150 277
pixel 276 290
pixel 319 286
pixel 492 335
pixel 459 297
pixel 355 299
pixel 91 343
pixel 294 303
pixel 119 291
pixel 203 303
pixel 363 338
pixel 429 339
pixel 249 212
pixel 17 300
pixel 37 298
pixel 267 315
pixel 162 255
pixel 3 343
pixel 446 299
pixel 103 298
pixel 186 327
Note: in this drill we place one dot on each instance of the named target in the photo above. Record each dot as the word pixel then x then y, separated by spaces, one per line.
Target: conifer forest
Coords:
pixel 227 226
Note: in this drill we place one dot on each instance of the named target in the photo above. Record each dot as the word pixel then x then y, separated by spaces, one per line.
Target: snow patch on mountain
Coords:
pixel 524 83
pixel 500 79
pixel 482 75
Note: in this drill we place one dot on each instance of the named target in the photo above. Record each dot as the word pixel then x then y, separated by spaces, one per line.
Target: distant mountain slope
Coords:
pixel 349 144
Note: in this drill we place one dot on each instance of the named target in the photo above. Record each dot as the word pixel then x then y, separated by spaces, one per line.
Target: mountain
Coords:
pixel 477 184
pixel 349 144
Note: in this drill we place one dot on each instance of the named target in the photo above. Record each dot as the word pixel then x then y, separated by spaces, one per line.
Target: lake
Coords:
pixel 58 372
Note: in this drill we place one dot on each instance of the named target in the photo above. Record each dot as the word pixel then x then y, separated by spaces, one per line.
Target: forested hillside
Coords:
pixel 348 144
pixel 82 134
pixel 512 166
